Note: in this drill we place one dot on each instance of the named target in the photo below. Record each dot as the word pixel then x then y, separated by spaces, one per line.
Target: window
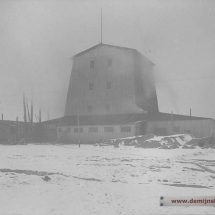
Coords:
pixel 107 108
pixel 125 129
pixel 108 129
pixel 110 61
pixel 80 130
pixel 89 109
pixel 59 129
pixel 90 86
pixel 92 64
pixel 108 85
pixel 93 129
pixel 68 129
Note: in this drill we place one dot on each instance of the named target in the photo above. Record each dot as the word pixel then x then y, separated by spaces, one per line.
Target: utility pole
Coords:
pixel 79 142
pixel 40 115
pixel 17 130
pixel 172 121
pixel 48 114
pixel 190 120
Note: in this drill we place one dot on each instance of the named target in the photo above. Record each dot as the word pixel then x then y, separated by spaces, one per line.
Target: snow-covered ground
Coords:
pixel 102 180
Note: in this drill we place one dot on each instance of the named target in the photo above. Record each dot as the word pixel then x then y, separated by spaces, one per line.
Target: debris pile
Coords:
pixel 185 141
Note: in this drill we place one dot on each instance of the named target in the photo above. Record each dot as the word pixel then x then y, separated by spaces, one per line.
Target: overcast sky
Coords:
pixel 38 39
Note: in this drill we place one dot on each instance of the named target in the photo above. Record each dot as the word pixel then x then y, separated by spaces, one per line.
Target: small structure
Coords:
pixel 4 132
pixel 11 131
pixel 46 131
pixel 168 124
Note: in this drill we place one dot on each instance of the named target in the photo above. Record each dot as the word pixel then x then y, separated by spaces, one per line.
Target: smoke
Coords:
pixel 129 106
pixel 166 93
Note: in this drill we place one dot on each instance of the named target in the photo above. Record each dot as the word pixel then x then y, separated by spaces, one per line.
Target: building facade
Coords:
pixel 12 131
pixel 93 129
pixel 108 86
pixel 108 79
pixel 168 124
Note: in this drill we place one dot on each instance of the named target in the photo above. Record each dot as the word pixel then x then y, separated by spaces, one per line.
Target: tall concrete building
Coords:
pixel 108 79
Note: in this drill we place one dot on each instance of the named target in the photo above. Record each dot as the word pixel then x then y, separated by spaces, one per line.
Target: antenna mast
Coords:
pixel 101 25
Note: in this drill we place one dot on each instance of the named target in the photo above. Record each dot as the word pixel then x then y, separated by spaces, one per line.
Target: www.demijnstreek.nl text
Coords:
pixel 193 201
pixel 187 201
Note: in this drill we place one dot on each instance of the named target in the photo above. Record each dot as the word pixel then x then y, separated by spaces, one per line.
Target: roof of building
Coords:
pixel 102 44
pixel 53 121
pixel 112 46
pixel 119 119
pixel 114 119
pixel 168 117
pixel 12 123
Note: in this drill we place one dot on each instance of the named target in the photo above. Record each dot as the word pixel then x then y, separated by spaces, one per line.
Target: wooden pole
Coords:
pixel 79 142
pixel 17 131
pixel 24 108
pixel 29 118
pixel 36 118
pixel 172 121
pixel 190 121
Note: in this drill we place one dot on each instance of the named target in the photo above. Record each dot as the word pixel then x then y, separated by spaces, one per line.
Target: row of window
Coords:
pixel 108 86
pixel 96 129
pixel 109 63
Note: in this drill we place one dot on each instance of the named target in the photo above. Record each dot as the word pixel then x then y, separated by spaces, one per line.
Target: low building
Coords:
pixel 4 132
pixel 47 131
pixel 92 129
pixel 11 131
pixel 168 124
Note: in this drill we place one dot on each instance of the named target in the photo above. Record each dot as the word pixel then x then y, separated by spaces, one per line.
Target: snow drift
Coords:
pixel 185 141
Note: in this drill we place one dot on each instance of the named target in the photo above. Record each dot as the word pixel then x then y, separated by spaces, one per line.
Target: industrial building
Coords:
pixel 112 94
pixel 93 129
pixel 108 86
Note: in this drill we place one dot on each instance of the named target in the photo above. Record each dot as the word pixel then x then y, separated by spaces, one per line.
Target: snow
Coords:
pixel 185 141
pixel 102 180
